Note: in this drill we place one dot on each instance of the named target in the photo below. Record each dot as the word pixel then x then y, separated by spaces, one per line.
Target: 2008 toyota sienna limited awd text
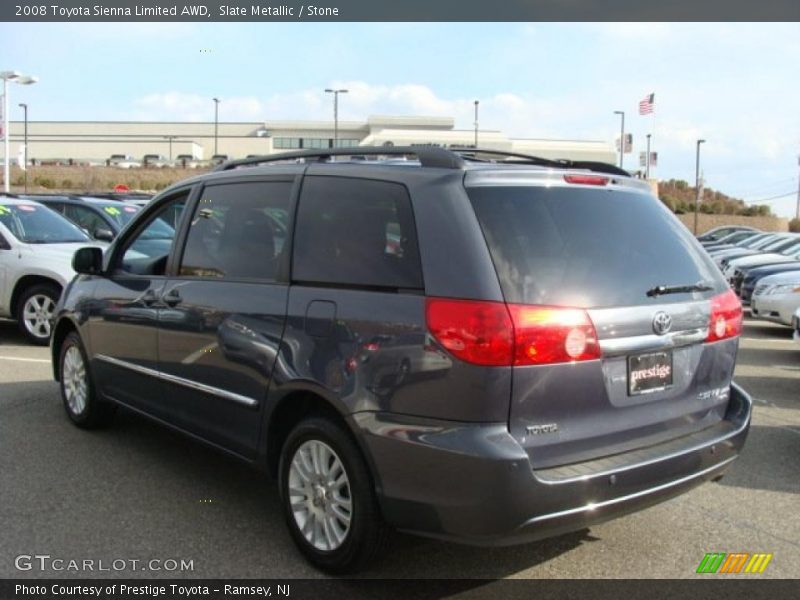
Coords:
pixel 470 345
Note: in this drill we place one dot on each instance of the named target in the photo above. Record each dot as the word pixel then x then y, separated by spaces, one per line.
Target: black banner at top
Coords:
pixel 398 10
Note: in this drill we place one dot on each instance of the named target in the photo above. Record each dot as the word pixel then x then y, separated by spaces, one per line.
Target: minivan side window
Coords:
pixel 356 232
pixel 238 231
pixel 146 253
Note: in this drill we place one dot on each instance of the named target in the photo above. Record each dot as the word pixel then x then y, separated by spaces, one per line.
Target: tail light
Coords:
pixel 476 332
pixel 726 317
pixel 549 334
pixel 496 334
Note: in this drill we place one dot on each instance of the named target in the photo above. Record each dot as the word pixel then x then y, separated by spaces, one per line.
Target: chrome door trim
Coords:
pixel 208 389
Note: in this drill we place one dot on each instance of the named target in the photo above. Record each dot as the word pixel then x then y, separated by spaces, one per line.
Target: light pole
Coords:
pixel 170 138
pixel 697 183
pixel 216 122
pixel 476 122
pixel 621 113
pixel 335 113
pixel 25 146
pixel 797 210
pixel 16 77
pixel 647 160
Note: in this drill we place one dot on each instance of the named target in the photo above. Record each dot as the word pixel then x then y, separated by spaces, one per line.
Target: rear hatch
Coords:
pixel 600 246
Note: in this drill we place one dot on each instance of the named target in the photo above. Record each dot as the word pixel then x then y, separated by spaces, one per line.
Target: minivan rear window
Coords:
pixel 589 248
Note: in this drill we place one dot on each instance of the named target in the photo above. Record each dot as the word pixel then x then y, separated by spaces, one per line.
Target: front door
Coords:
pixel 123 320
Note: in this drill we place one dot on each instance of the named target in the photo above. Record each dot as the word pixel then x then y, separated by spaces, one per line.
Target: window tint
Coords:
pixel 238 231
pixel 85 218
pixel 146 253
pixel 588 248
pixel 356 232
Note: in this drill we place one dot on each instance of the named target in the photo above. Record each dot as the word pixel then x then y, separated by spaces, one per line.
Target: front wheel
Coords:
pixel 328 497
pixel 81 402
pixel 35 310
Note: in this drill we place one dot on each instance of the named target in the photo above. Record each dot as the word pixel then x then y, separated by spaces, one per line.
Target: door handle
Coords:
pixel 148 298
pixel 172 297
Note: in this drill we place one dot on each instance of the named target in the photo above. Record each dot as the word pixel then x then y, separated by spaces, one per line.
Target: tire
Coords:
pixel 333 546
pixel 35 311
pixel 84 408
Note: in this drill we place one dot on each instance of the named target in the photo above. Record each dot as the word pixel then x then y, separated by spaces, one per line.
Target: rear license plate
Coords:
pixel 649 372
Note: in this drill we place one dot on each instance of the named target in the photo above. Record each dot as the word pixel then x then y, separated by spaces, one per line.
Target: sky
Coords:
pixel 734 85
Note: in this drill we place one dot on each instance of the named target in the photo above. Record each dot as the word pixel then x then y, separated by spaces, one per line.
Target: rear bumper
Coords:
pixel 474 483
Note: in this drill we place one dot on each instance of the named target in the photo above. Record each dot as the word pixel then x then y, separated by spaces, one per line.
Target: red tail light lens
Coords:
pixel 726 317
pixel 586 179
pixel 550 334
pixel 496 334
pixel 480 333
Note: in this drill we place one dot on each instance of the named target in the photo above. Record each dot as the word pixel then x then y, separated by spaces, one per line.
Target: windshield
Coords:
pixel 118 213
pixel 588 248
pixel 35 224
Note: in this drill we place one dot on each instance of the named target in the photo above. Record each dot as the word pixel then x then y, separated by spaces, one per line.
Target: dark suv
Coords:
pixel 469 345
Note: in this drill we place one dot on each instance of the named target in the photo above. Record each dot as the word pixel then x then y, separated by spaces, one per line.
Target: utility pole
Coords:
pixel 697 184
pixel 476 122
pixel 621 113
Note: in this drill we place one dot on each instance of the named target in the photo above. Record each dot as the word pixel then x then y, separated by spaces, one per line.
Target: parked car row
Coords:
pixel 38 238
pixel 158 161
pixel 763 268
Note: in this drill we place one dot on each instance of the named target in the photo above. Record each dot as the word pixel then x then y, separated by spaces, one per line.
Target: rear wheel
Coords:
pixel 328 497
pixel 83 406
pixel 35 310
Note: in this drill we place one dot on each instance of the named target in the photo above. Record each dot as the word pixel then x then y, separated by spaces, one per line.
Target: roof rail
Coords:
pixel 429 156
pixel 559 163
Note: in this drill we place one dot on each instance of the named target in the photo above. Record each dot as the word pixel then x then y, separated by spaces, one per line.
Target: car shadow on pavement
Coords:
pixel 768 461
pixel 139 489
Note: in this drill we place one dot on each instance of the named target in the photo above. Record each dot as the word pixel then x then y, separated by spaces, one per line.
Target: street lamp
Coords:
pixel 170 138
pixel 647 161
pixel 16 77
pixel 621 135
pixel 25 145
pixel 335 114
pixel 476 122
pixel 697 183
pixel 216 122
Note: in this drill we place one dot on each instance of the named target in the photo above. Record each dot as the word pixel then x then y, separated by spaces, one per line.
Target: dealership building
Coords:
pixel 96 141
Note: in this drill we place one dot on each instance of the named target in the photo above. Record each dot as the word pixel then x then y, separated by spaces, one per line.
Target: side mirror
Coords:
pixel 103 234
pixel 88 261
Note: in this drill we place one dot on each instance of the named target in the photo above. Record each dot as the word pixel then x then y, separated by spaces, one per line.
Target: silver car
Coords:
pixel 36 249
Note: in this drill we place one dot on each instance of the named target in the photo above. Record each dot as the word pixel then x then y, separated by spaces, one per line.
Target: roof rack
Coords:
pixel 559 163
pixel 429 156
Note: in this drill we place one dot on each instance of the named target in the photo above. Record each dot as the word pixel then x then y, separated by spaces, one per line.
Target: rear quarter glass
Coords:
pixel 588 247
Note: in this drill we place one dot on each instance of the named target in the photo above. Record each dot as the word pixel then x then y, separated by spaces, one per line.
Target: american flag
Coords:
pixel 647 105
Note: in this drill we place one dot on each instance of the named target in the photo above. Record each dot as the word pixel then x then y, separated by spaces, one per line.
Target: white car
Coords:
pixel 776 298
pixel 36 249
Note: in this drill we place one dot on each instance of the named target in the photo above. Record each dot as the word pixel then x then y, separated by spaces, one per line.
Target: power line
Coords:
pixel 762 200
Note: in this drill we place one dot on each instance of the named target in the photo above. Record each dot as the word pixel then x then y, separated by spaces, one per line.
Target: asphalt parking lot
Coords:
pixel 138 492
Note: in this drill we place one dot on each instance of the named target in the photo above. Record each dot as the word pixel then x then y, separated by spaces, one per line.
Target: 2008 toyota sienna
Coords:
pixel 472 345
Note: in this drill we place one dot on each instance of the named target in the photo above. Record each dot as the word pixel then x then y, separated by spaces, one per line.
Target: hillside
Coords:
pixel 679 196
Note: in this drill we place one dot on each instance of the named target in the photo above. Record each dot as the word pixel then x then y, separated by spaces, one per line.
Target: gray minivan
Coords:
pixel 471 345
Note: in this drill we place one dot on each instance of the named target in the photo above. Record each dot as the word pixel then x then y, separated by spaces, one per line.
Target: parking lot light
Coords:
pixel 336 113
pixel 16 77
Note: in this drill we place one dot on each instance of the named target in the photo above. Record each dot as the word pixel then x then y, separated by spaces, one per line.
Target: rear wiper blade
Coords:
pixel 661 290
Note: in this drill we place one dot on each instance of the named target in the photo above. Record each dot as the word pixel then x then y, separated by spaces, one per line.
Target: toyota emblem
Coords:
pixel 662 322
